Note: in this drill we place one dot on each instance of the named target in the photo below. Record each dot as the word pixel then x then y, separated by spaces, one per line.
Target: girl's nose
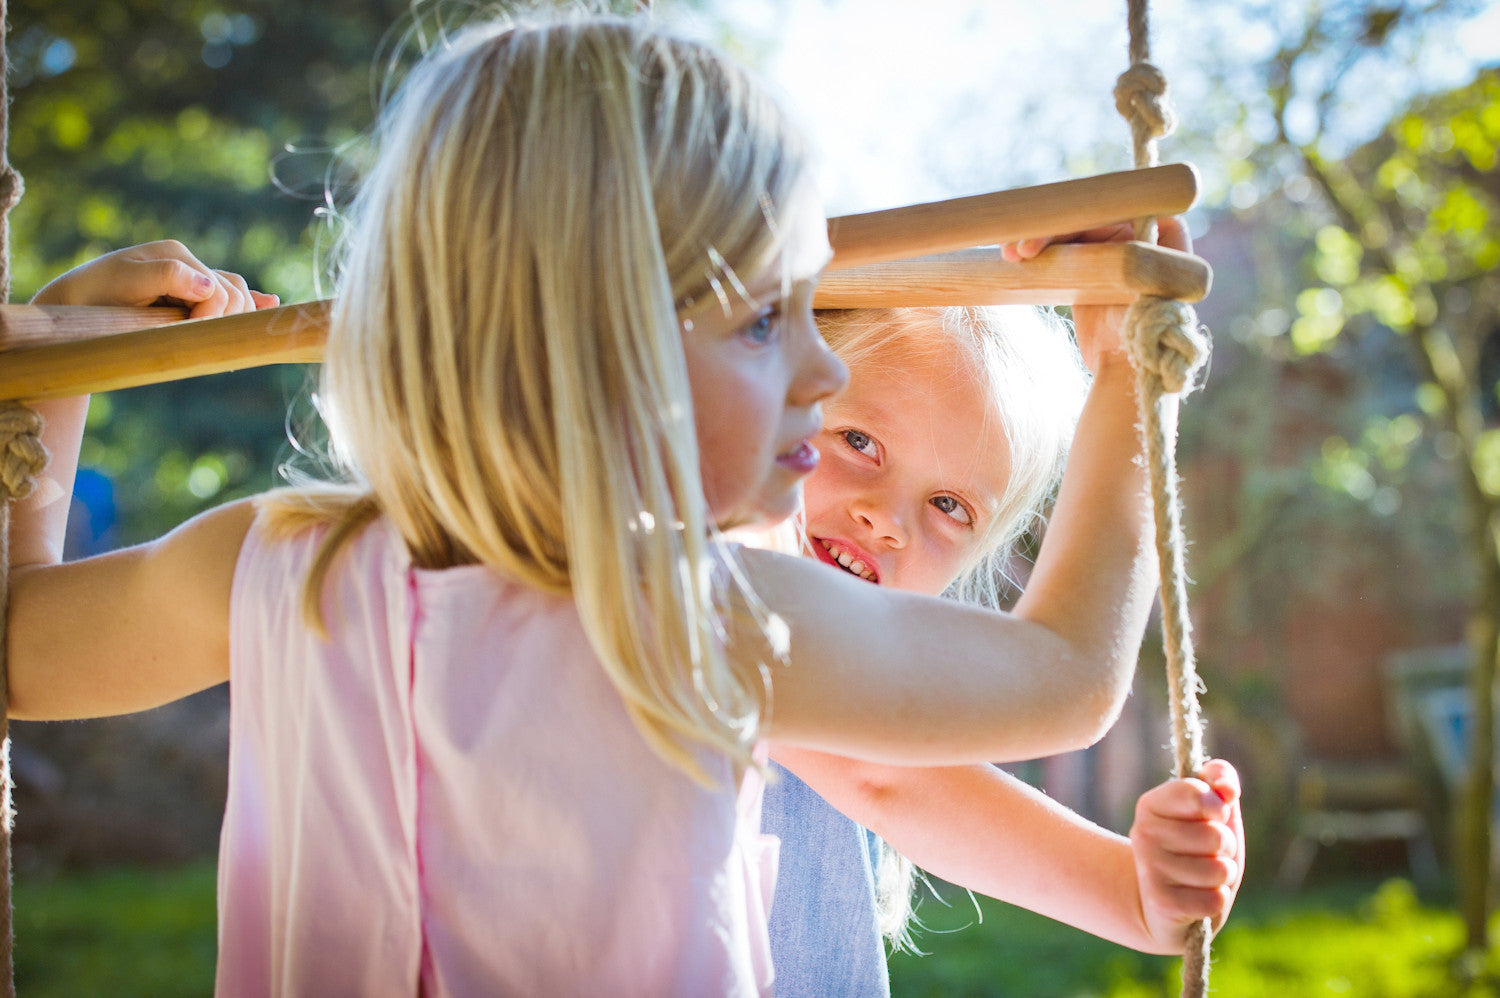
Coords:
pixel 881 519
pixel 819 373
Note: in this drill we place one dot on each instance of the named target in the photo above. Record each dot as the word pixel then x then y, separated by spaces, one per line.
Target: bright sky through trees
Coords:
pixel 912 102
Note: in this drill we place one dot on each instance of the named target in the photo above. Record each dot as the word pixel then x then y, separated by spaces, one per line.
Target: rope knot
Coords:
pixel 1141 99
pixel 1166 341
pixel 22 456
pixel 11 188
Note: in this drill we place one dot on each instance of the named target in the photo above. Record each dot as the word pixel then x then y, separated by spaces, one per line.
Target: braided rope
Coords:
pixel 21 458
pixel 1167 348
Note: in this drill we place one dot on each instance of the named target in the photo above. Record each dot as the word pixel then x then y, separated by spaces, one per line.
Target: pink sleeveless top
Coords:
pixel 447 798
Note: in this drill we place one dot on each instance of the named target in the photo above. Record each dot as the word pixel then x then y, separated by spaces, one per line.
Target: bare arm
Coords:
pixel 981 828
pixel 127 630
pixel 1050 676
pixel 148 274
pixel 39 522
pixel 163 607
pixel 904 678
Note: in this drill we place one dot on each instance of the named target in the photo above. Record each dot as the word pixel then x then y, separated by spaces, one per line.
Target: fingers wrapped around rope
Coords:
pixel 22 455
pixel 1166 342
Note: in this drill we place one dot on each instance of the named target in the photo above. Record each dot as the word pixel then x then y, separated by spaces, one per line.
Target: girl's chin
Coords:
pixel 774 507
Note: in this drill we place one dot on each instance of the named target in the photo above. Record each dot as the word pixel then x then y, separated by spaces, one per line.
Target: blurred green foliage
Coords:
pixel 205 121
pixel 219 124
pixel 1401 250
pixel 1423 198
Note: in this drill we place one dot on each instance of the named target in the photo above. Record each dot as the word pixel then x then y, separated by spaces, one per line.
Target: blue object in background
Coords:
pixel 91 521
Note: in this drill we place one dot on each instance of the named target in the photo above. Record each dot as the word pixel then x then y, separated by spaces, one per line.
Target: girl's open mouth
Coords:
pixel 833 553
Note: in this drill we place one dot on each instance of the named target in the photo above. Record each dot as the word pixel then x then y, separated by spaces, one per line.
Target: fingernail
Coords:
pixel 1211 800
pixel 203 284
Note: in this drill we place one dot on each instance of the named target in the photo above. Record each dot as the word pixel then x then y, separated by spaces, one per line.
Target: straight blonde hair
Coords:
pixel 504 379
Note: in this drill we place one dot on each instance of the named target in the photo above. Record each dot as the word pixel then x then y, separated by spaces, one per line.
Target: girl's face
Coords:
pixel 759 370
pixel 914 468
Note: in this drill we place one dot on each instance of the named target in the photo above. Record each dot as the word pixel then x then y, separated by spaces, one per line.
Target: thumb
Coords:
pixel 1222 778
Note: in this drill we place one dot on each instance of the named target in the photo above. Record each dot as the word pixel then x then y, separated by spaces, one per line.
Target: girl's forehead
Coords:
pixel 919 372
pixel 805 250
pixel 918 400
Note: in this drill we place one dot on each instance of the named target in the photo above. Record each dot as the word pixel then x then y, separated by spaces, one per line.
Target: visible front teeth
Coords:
pixel 848 562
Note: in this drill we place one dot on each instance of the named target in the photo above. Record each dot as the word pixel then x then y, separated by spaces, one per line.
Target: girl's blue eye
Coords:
pixel 762 329
pixel 860 442
pixel 953 508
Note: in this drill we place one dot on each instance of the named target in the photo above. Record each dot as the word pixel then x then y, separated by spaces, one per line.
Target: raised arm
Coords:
pixel 151 273
pixel 904 678
pixel 169 600
pixel 166 604
pixel 871 666
pixel 981 828
pixel 909 679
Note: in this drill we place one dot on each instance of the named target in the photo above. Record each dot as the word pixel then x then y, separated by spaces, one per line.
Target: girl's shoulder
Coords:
pixel 208 544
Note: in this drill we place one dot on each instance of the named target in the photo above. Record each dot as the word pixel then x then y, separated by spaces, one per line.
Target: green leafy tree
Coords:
pixel 1408 243
pixel 215 123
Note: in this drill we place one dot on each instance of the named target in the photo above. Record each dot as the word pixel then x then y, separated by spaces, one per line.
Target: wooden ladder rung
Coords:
pixel 127 347
pixel 1072 274
pixel 52 351
pixel 1010 216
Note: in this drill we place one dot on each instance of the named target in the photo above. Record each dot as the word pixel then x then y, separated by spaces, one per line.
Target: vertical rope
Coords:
pixel 18 449
pixel 1167 347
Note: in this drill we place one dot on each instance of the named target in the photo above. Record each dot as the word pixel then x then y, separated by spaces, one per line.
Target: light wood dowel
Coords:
pixel 58 363
pixel 56 351
pixel 1073 274
pixel 40 325
pixel 1009 216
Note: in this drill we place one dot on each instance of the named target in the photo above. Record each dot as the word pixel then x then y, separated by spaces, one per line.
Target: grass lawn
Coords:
pixel 151 932
pixel 1361 938
pixel 125 932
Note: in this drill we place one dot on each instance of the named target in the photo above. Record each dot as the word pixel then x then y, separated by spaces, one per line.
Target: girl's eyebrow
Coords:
pixel 867 412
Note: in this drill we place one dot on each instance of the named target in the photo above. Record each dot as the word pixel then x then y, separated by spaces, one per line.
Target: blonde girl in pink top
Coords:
pixel 498 693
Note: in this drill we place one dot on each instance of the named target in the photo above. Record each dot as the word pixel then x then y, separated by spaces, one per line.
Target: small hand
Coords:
pixel 1027 249
pixel 158 273
pixel 1189 845
pixel 1099 327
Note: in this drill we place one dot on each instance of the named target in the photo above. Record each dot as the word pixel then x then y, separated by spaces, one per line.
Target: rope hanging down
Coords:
pixel 1168 348
pixel 21 458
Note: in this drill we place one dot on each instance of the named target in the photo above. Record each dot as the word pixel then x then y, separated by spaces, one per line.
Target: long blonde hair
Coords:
pixel 504 379
pixel 1035 381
